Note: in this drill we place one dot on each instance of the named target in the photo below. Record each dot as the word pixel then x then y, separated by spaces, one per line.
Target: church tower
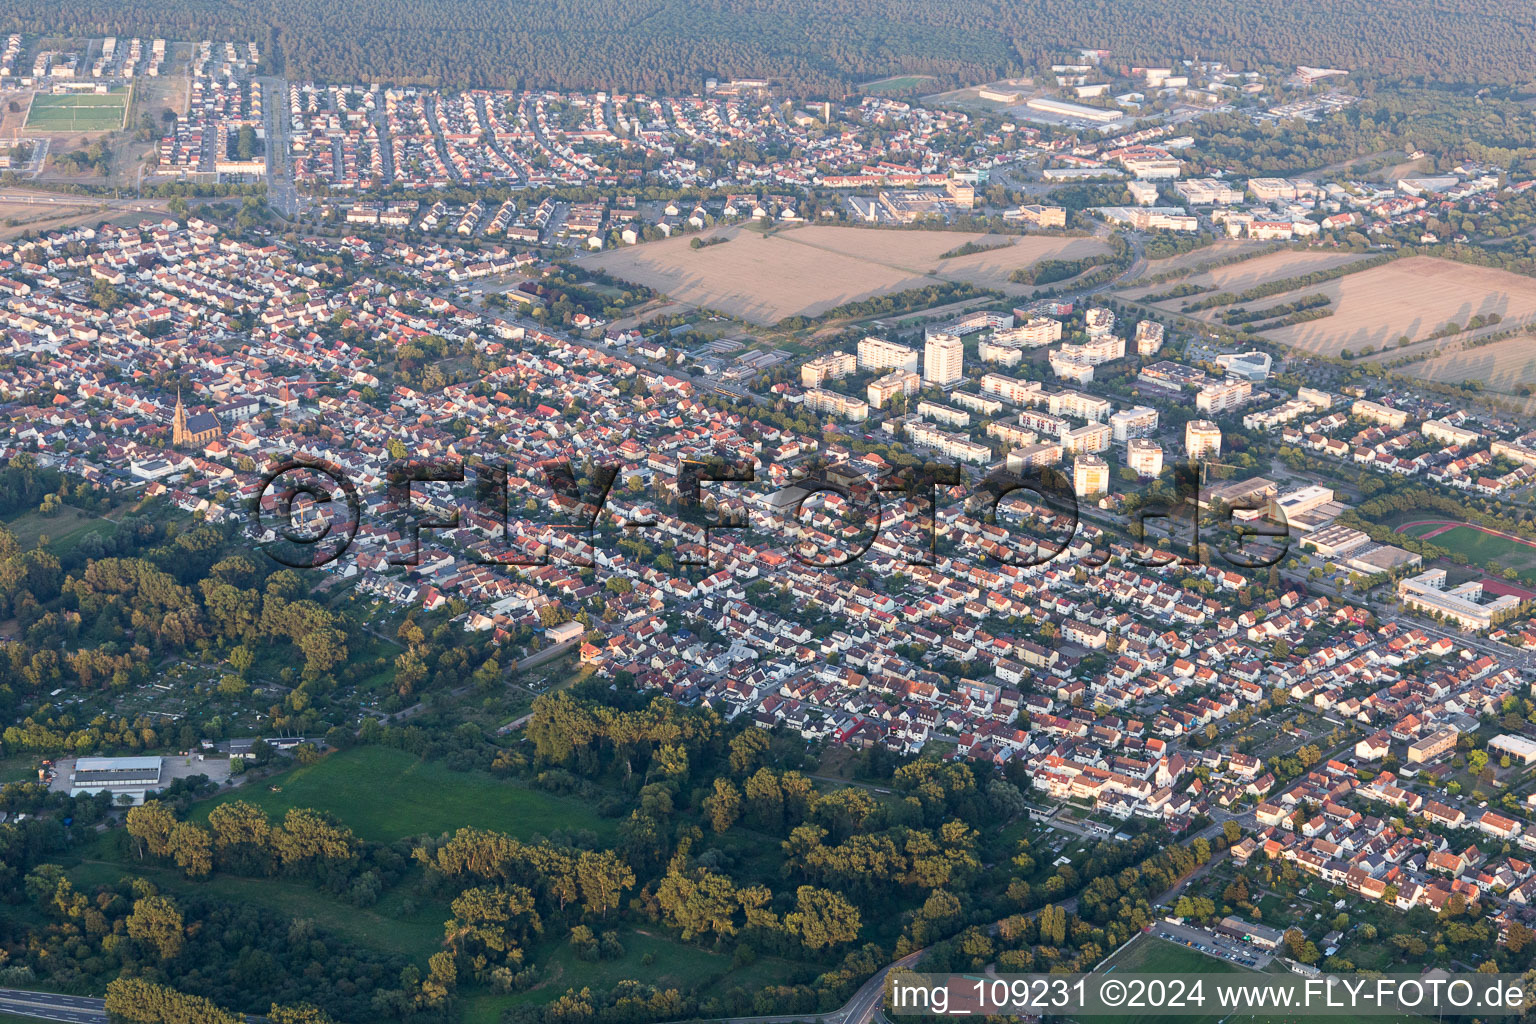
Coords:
pixel 192 431
pixel 179 435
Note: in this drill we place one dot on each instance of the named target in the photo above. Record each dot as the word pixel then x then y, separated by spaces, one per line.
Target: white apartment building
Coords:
pixel 1098 322
pixel 1137 421
pixel 956 446
pixel 1090 476
pixel 1075 403
pixel 1145 457
pixel 897 382
pixel 852 409
pixel 1201 438
pixel 1149 338
pixel 880 355
pixel 943 359
pixel 1011 389
pixel 1088 439
pixel 1033 333
pixel 827 367
pixel 1002 355
pixel 1223 395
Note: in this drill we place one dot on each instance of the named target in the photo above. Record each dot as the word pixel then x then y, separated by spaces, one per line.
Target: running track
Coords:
pixel 1443 525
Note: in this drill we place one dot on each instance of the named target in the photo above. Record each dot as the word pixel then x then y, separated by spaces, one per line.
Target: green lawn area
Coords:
pixel 18 768
pixel 384 794
pixel 1151 955
pixel 1481 547
pixel 898 84
pixel 64 529
pixel 673 965
pixel 88 112
pixel 384 926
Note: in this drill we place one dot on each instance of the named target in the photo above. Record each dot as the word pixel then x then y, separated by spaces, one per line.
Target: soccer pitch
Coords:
pixel 77 112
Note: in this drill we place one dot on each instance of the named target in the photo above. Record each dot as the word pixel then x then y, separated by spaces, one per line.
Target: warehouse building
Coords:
pixel 134 776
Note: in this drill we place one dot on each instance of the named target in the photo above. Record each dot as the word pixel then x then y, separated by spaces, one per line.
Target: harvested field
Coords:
pixel 19 218
pixel 1222 248
pixel 808 270
pixel 1274 267
pixel 991 269
pixel 1503 366
pixel 1413 297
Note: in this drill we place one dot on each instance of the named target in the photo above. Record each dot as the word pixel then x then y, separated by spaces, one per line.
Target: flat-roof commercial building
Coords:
pixel 1462 605
pixel 134 776
pixel 1519 748
pixel 1261 935
pixel 1097 115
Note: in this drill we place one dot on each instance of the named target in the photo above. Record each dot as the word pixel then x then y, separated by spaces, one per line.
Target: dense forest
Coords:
pixel 815 47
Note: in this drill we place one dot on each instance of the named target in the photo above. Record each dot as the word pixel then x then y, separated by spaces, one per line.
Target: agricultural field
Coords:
pixel 77 112
pixel 1413 297
pixel 1187 262
pixel 384 794
pixel 1504 366
pixel 763 278
pixel 1237 277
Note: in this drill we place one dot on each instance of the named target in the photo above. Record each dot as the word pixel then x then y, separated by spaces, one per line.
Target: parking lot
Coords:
pixel 1220 947
pixel 172 767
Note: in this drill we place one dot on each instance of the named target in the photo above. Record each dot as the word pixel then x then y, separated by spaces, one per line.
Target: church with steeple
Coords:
pixel 194 431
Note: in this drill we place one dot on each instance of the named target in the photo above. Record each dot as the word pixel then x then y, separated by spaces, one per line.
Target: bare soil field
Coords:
pixel 12 120
pixel 1412 297
pixel 1273 267
pixel 19 218
pixel 1502 366
pixel 808 270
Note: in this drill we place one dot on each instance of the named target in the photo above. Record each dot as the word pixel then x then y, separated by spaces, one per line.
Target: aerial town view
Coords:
pixel 598 513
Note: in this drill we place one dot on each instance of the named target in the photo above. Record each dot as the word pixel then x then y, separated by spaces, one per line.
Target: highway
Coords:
pixel 48 1006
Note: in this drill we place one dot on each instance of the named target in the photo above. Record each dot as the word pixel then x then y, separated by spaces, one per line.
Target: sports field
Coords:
pixel 77 112
pixel 385 794
pixel 1150 955
pixel 1478 544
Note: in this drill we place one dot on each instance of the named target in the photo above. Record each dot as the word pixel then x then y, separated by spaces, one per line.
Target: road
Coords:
pixel 48 1006
pixel 95 202
pixel 282 194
